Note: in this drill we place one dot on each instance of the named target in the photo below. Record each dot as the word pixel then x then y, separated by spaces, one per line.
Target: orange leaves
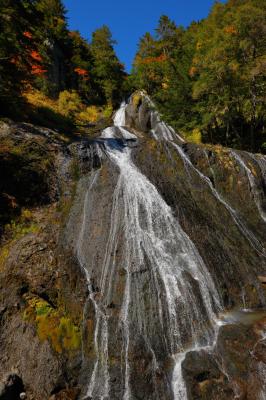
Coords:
pixel 37 70
pixel 27 35
pixel 230 29
pixel 36 56
pixel 150 60
pixel 82 72
pixel 192 71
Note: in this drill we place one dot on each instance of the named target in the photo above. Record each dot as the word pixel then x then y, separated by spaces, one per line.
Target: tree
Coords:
pixel 229 72
pixel 55 46
pixel 16 45
pixel 108 70
pixel 212 75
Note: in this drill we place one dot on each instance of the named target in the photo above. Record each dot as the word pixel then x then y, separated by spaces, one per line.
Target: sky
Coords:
pixel 129 20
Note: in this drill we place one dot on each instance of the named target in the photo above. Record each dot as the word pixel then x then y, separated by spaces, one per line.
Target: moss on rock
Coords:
pixel 52 324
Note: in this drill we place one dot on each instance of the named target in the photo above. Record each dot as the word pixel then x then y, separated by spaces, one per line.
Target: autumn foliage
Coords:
pixel 35 55
pixel 150 60
pixel 37 70
pixel 210 77
pixel 82 72
pixel 27 34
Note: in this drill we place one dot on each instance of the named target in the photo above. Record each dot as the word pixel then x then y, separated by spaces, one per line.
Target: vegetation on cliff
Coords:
pixel 210 77
pixel 207 80
pixel 38 51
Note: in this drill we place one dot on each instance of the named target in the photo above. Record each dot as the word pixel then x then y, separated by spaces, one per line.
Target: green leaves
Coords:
pixel 108 70
pixel 214 73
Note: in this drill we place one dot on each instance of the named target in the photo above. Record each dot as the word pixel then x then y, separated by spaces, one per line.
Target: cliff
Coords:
pixel 132 264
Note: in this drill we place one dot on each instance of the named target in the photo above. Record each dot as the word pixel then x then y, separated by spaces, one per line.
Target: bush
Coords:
pixel 194 136
pixel 89 115
pixel 107 112
pixel 69 103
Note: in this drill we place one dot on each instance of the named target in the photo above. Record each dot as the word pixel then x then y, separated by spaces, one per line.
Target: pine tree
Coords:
pixel 16 16
pixel 108 70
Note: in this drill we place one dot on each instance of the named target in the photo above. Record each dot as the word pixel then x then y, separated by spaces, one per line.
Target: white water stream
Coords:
pixel 153 236
pixel 187 301
pixel 255 243
pixel 252 183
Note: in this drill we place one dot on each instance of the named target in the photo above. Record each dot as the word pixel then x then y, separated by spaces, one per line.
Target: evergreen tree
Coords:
pixel 108 70
pixel 211 76
pixel 16 16
pixel 55 47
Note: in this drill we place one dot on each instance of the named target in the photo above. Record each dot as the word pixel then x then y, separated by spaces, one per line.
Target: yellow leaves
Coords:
pixel 234 66
pixel 69 333
pixel 230 29
pixel 69 103
pixel 192 72
pixel 136 98
pixel 58 329
pixel 38 99
pixel 4 253
pixel 194 136
pixel 90 114
pixel 198 45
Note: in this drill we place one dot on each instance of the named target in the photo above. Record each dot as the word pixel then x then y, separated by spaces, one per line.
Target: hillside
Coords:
pixel 131 268
pixel 132 208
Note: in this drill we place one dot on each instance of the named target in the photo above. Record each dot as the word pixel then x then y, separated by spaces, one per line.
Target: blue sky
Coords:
pixel 129 20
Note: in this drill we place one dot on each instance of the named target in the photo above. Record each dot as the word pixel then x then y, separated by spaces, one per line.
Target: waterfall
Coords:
pixel 99 380
pixel 167 298
pixel 255 243
pixel 186 297
pixel 252 183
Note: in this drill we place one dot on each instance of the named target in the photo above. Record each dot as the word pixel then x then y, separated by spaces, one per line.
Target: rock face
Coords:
pixel 139 244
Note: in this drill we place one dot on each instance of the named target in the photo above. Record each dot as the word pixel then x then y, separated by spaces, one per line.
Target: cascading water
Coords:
pixel 252 183
pixel 99 380
pixel 151 298
pixel 185 295
pixel 238 221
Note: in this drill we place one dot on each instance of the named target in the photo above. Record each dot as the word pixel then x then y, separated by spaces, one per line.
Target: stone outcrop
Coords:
pixel 47 310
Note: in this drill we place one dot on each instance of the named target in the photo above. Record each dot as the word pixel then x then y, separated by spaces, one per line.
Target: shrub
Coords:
pixel 107 112
pixel 90 114
pixel 52 324
pixel 194 136
pixel 69 103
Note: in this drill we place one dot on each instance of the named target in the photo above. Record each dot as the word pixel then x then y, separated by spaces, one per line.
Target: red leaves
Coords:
pixel 149 60
pixel 36 56
pixel 82 72
pixel 27 35
pixel 37 70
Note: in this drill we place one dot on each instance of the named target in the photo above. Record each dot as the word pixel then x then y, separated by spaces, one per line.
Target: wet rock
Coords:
pixel 42 268
pixel 203 378
pixel 66 394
